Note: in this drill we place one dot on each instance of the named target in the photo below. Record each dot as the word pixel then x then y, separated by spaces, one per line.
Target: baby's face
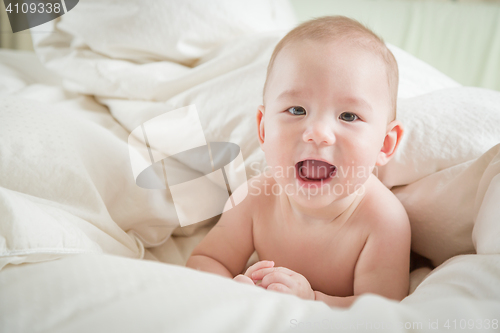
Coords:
pixel 325 102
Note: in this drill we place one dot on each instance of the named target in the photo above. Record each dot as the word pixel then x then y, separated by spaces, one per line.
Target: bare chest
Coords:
pixel 325 255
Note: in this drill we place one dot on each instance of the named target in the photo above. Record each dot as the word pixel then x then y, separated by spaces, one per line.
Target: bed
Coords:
pixel 84 248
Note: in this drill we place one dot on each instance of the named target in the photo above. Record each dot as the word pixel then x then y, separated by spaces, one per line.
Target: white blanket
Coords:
pixel 103 293
pixel 66 186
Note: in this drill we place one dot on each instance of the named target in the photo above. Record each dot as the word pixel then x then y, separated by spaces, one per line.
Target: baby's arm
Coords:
pixel 226 248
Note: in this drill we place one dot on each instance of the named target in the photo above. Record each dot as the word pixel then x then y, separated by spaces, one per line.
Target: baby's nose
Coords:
pixel 320 133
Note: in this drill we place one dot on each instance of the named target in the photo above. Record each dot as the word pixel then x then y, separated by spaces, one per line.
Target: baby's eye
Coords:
pixel 348 116
pixel 297 110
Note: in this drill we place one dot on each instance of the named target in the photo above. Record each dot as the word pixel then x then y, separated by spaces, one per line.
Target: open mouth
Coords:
pixel 315 171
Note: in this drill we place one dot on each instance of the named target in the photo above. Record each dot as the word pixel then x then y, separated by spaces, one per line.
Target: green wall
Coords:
pixel 461 39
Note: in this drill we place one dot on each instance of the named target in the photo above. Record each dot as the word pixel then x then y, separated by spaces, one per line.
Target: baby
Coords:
pixel 324 227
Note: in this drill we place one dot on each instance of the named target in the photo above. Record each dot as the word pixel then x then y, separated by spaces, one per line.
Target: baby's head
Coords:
pixel 330 95
pixel 345 31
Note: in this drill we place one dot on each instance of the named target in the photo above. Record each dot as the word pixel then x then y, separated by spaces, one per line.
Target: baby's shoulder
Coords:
pixel 381 208
pixel 261 185
pixel 260 190
pixel 244 200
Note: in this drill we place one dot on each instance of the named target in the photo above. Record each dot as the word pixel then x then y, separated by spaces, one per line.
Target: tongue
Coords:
pixel 313 169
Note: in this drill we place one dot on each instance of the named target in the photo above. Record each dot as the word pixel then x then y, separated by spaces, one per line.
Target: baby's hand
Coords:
pixel 247 277
pixel 284 280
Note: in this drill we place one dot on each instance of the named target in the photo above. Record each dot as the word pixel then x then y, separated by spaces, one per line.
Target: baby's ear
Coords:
pixel 392 139
pixel 260 123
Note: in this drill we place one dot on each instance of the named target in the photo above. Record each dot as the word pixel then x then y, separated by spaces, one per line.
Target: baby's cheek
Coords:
pixel 366 153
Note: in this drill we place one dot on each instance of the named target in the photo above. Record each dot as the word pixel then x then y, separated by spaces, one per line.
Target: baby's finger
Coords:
pixel 280 288
pixel 257 266
pixel 277 277
pixel 259 274
pixel 243 279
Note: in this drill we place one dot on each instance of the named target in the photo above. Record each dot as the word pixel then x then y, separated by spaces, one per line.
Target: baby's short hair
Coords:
pixel 341 28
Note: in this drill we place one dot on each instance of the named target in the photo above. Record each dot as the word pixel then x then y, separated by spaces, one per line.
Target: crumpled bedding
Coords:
pixel 67 191
pixel 103 293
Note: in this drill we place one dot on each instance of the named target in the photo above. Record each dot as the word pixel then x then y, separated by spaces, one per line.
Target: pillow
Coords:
pixel 443 128
pixel 443 209
pixel 451 136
